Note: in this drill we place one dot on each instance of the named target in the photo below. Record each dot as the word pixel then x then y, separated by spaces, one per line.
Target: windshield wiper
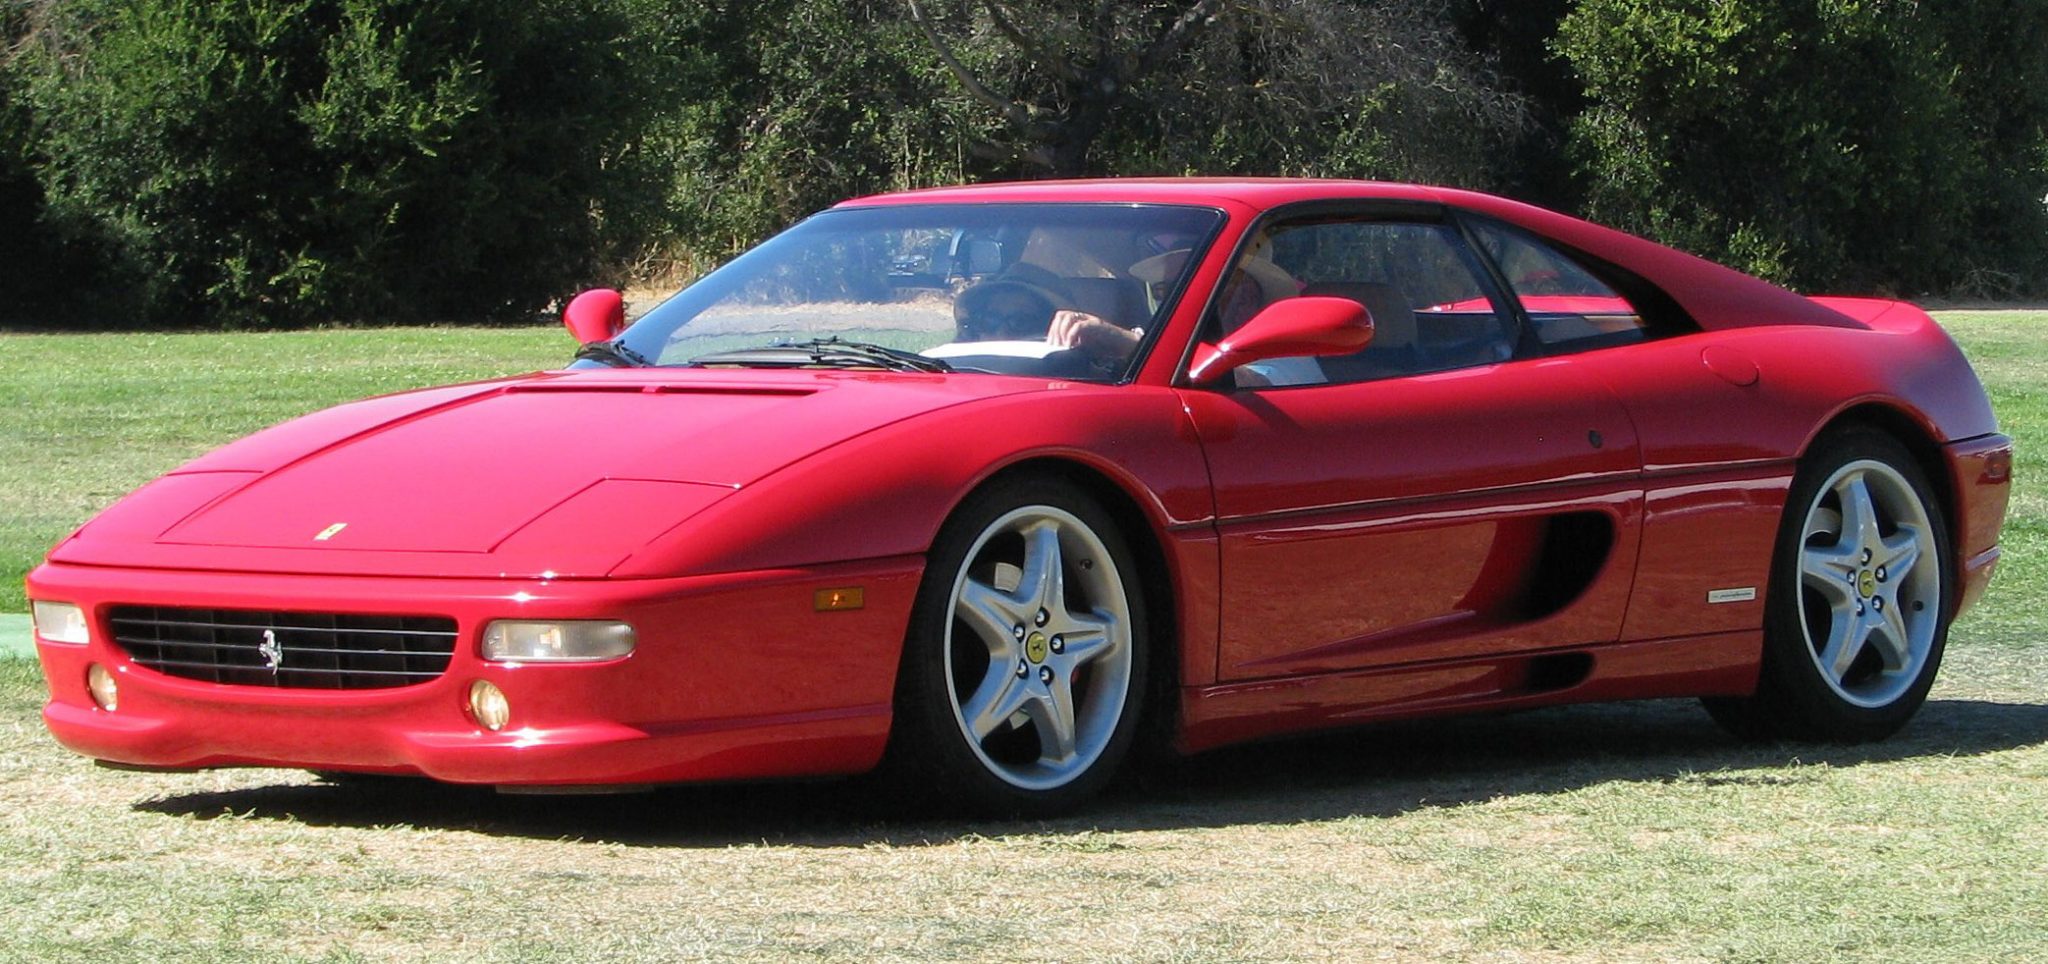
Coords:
pixel 612 353
pixel 834 352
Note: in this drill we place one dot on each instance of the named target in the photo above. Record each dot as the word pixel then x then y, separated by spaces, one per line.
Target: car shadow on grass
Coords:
pixel 1381 771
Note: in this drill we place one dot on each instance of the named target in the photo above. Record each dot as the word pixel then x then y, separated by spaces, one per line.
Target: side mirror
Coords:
pixel 595 315
pixel 1296 326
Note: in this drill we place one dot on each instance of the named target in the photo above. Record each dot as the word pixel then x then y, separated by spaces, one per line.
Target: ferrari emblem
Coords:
pixel 328 533
pixel 1866 583
pixel 272 653
pixel 1034 647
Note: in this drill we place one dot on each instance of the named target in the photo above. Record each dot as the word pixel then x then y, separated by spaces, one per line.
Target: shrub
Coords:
pixel 36 271
pixel 792 105
pixel 287 161
pixel 1824 143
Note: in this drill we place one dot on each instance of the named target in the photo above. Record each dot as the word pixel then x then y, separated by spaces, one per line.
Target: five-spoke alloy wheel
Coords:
pixel 1023 675
pixel 1858 607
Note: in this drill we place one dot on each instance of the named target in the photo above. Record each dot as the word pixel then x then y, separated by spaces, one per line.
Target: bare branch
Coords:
pixel 1105 29
pixel 1004 25
pixel 1012 111
pixel 1178 33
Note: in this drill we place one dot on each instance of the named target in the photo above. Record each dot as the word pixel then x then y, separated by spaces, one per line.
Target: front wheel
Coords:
pixel 1023 673
pixel 1858 608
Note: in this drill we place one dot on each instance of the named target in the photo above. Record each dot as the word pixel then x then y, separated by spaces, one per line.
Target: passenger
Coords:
pixel 1255 283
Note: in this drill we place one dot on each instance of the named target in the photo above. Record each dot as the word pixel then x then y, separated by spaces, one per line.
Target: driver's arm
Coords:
pixel 1079 329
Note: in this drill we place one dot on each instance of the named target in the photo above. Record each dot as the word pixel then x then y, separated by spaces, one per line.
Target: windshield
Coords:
pixel 1062 290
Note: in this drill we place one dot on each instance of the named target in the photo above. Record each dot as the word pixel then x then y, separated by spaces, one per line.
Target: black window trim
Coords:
pixel 1484 272
pixel 1661 314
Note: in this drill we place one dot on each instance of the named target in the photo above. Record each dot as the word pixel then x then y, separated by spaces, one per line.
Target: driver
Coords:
pixel 1027 302
pixel 1016 305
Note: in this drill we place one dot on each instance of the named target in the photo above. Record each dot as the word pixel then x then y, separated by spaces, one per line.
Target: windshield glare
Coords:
pixel 1062 290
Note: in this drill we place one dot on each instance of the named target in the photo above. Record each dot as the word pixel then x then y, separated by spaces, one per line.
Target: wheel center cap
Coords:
pixel 1866 583
pixel 1035 646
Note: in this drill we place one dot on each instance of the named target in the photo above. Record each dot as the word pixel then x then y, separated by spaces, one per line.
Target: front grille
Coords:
pixel 284 649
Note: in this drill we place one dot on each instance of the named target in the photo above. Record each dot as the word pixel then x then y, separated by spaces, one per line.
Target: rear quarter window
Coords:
pixel 1570 306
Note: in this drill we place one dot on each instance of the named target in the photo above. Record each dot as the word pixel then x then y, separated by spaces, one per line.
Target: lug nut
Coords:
pixel 1866 555
pixel 1059 645
pixel 1023 669
pixel 1045 674
pixel 1877 603
pixel 1880 574
pixel 1859 609
pixel 1018 631
pixel 1042 618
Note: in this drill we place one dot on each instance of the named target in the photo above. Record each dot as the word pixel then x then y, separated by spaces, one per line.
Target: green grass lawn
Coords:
pixel 1627 832
pixel 90 417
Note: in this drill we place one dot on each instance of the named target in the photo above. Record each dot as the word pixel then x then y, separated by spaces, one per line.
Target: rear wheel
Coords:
pixel 1022 680
pixel 1857 611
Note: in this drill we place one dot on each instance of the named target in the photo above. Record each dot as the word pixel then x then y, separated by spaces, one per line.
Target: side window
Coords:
pixel 1431 312
pixel 1569 309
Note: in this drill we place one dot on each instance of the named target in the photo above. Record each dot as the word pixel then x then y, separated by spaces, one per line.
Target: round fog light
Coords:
pixel 488 704
pixel 101 684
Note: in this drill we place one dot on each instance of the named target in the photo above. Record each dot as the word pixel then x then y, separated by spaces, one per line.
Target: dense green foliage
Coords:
pixel 795 104
pixel 1828 143
pixel 280 160
pixel 264 162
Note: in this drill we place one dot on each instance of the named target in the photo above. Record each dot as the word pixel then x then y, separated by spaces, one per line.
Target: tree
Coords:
pixel 289 161
pixel 1218 86
pixel 38 273
pixel 1827 144
pixel 791 105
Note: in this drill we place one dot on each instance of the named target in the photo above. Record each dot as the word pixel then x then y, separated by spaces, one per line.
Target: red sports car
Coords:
pixel 992 485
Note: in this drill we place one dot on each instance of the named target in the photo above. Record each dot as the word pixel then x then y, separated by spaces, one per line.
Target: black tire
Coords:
pixel 951 664
pixel 1831 641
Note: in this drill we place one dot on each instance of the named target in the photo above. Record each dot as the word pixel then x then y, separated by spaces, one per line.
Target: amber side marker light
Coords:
pixel 834 600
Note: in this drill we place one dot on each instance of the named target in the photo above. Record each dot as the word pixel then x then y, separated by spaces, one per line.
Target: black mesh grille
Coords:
pixel 293 650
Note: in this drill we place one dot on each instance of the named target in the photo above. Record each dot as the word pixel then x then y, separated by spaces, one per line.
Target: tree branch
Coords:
pixel 1012 111
pixel 1008 28
pixel 1183 28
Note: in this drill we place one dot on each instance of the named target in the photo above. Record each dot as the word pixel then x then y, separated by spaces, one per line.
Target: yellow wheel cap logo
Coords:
pixel 1034 647
pixel 1867 584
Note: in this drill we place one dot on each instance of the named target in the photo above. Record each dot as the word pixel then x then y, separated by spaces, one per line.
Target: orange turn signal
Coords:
pixel 833 600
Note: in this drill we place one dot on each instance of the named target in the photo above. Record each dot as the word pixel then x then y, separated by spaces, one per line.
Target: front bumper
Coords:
pixel 736 676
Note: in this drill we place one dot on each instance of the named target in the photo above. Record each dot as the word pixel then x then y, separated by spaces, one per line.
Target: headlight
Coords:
pixel 60 622
pixel 567 641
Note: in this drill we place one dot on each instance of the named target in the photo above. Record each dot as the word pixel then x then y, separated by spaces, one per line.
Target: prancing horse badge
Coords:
pixel 272 653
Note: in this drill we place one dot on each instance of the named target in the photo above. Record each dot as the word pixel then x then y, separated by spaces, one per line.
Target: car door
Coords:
pixel 1715 436
pixel 1433 497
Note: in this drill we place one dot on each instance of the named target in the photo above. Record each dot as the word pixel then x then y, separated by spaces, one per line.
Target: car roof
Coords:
pixel 1715 296
pixel 1254 192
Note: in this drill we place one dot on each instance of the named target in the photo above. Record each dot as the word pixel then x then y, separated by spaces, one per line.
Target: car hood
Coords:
pixel 559 474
